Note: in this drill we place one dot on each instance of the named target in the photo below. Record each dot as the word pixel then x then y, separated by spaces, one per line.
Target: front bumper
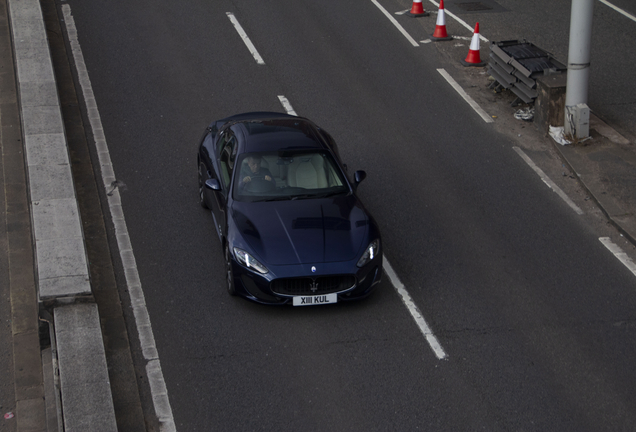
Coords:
pixel 265 289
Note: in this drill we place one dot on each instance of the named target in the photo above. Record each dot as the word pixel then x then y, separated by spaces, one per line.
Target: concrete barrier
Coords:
pixel 86 397
pixel 60 252
pixel 59 241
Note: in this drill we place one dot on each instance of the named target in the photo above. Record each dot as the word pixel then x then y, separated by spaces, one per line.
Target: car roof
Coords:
pixel 266 131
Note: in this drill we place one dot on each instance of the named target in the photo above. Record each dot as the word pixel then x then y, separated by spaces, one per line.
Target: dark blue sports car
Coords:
pixel 290 223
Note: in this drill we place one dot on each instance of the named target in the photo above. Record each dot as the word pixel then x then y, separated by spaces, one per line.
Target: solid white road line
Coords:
pixel 396 24
pixel 483 114
pixel 414 310
pixel 619 10
pixel 547 181
pixel 618 253
pixel 288 108
pixel 158 388
pixel 248 43
pixel 459 20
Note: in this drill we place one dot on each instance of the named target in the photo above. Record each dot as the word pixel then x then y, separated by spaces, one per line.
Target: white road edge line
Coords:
pixel 483 114
pixel 547 181
pixel 248 43
pixel 619 10
pixel 157 383
pixel 396 24
pixel 414 310
pixel 459 20
pixel 618 253
pixel 288 108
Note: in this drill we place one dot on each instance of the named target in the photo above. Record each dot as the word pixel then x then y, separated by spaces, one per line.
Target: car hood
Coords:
pixel 303 231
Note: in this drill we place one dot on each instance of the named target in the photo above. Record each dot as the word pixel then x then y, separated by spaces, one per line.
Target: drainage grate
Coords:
pixel 473 6
pixel 469 7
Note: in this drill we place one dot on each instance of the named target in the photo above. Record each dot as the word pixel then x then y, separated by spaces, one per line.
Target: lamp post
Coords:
pixel 577 113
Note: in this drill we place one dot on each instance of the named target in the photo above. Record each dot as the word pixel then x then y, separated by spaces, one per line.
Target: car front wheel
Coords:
pixel 229 274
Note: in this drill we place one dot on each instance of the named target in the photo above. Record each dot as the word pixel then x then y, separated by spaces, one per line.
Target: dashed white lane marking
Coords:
pixel 466 97
pixel 396 24
pixel 618 253
pixel 158 388
pixel 547 181
pixel 619 10
pixel 459 20
pixel 288 108
pixel 397 284
pixel 414 310
pixel 248 43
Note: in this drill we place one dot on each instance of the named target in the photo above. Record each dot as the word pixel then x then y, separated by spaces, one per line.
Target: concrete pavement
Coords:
pixel 606 167
pixel 55 301
pixel 53 264
pixel 42 226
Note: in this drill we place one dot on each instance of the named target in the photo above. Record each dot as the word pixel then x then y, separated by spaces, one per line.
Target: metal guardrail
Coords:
pixel 515 65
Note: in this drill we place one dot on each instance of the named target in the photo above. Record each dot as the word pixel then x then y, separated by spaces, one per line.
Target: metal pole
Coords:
pixel 576 110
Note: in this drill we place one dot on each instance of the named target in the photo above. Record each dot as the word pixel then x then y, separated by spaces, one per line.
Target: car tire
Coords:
pixel 202 170
pixel 229 275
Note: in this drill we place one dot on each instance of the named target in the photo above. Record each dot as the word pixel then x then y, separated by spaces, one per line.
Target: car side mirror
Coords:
pixel 359 176
pixel 213 184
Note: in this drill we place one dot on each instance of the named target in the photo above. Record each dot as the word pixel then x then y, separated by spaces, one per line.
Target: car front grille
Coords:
pixel 312 286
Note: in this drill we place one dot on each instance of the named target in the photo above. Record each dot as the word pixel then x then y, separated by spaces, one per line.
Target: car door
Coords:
pixel 209 163
pixel 227 148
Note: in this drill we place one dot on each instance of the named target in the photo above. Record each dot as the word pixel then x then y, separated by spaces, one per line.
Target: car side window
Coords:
pixel 227 159
pixel 221 142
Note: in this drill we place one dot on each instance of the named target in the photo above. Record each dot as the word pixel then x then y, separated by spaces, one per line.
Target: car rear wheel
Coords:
pixel 202 171
pixel 229 274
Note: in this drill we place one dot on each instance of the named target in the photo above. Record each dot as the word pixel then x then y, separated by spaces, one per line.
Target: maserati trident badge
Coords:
pixel 313 269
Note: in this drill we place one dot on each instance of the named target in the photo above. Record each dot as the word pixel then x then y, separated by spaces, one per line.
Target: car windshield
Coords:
pixel 287 175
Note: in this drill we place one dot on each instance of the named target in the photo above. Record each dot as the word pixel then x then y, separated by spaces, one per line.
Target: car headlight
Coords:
pixel 372 251
pixel 249 261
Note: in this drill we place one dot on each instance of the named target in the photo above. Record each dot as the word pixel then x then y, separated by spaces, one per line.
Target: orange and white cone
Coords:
pixel 440 27
pixel 473 58
pixel 417 10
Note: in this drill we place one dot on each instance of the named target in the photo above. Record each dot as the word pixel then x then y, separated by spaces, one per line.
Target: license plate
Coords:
pixel 315 300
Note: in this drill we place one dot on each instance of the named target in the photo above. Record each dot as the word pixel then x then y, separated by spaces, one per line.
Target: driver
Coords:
pixel 255 171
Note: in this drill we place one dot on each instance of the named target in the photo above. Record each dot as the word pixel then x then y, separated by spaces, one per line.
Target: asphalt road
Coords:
pixel 535 315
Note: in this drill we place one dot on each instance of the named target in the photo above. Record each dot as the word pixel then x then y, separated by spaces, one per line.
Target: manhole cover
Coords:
pixel 468 7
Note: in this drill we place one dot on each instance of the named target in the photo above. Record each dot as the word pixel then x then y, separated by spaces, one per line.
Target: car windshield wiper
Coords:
pixel 330 194
pixel 318 195
pixel 301 196
pixel 277 198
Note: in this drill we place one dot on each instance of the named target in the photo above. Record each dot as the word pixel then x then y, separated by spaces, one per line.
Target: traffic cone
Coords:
pixel 473 58
pixel 417 10
pixel 440 27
